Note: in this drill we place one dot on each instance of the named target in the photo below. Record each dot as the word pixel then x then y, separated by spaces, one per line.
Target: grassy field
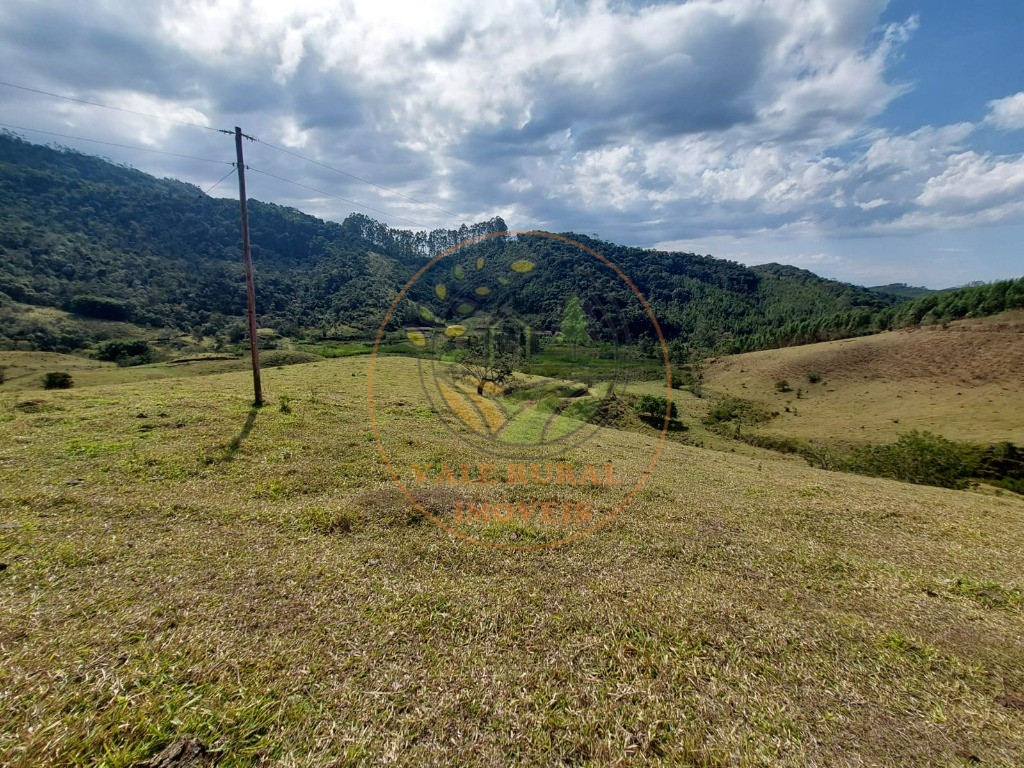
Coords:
pixel 177 562
pixel 88 327
pixel 24 371
pixel 965 382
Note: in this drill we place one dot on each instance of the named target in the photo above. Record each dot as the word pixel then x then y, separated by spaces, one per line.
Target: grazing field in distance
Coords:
pixel 24 371
pixel 964 382
pixel 177 562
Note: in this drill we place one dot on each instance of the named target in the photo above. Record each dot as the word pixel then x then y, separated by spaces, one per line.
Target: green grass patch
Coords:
pixel 82 448
pixel 340 349
pixel 988 593
pixel 327 521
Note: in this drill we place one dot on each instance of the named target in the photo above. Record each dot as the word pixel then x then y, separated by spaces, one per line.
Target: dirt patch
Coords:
pixel 184 752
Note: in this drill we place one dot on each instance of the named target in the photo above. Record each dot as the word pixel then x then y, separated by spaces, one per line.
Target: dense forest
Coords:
pixel 932 309
pixel 106 241
pixel 902 290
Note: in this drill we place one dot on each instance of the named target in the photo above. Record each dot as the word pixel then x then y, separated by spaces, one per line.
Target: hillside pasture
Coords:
pixel 964 381
pixel 178 562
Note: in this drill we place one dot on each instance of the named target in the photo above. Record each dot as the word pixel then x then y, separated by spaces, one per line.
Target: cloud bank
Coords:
pixel 645 123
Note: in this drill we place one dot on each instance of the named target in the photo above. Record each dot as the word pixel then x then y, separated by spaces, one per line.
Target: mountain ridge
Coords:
pixel 76 230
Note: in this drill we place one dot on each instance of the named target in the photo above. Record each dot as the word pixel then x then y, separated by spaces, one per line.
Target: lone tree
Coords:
pixel 488 361
pixel 652 408
pixel 574 324
pixel 57 380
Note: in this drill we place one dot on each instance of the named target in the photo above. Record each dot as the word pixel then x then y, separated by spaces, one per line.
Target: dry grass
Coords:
pixel 463 407
pixel 965 382
pixel 492 414
pixel 254 578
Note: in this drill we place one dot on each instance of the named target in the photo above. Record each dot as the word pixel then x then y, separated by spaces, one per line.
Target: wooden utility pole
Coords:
pixel 250 285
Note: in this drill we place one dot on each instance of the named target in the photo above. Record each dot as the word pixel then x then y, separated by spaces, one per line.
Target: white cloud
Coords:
pixel 973 178
pixel 917 149
pixel 870 204
pixel 1007 114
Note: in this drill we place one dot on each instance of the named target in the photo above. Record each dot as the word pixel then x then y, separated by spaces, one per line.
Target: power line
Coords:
pixel 339 197
pixel 364 181
pixel 209 128
pixel 107 106
pixel 208 191
pixel 114 144
pixel 221 162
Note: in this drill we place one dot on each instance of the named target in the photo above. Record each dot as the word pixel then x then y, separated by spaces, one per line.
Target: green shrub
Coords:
pixel 813 377
pixel 57 380
pixel 654 408
pixel 125 353
pixel 1011 484
pixel 917 457
pixel 780 444
pixel 99 307
pixel 734 409
pixel 782 386
pixel 683 377
pixel 1002 465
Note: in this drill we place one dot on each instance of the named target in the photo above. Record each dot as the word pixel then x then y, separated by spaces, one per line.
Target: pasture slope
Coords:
pixel 964 381
pixel 177 562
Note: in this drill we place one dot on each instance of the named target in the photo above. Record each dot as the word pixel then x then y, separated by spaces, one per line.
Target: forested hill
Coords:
pixel 73 225
pixel 903 290
pixel 88 236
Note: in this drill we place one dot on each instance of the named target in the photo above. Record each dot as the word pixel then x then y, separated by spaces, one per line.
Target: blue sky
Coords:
pixel 869 141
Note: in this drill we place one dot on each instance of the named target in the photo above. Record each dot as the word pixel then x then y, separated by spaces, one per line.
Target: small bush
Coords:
pixel 813 377
pixel 780 444
pixel 782 386
pixel 654 408
pixel 734 409
pixel 1011 484
pixel 683 377
pixel 57 380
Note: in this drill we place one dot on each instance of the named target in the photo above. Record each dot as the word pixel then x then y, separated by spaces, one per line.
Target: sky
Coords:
pixel 864 140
